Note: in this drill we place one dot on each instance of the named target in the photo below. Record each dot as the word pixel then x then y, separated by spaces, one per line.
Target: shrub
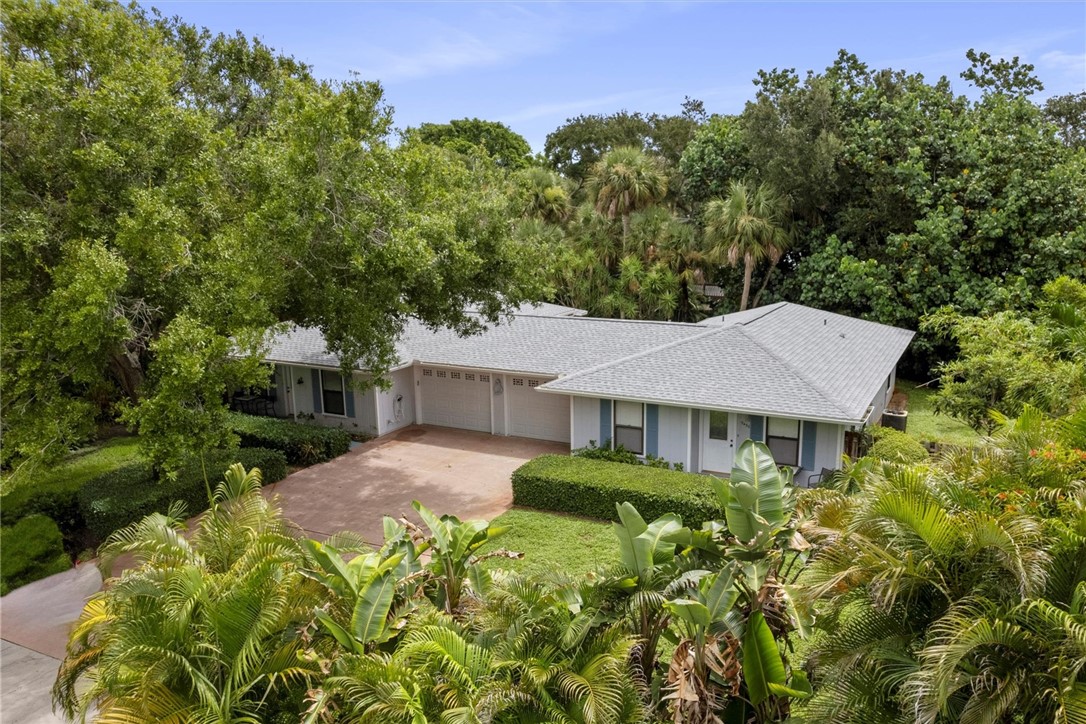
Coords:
pixel 54 492
pixel 592 488
pixel 32 549
pixel 621 455
pixel 124 496
pixel 617 455
pixel 895 446
pixel 302 444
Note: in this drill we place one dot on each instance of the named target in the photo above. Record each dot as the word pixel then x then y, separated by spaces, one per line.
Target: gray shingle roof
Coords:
pixel 782 359
pixel 543 345
pixel 785 359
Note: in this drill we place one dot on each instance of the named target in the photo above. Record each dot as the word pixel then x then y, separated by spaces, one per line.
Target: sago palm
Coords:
pixel 750 225
pixel 205 630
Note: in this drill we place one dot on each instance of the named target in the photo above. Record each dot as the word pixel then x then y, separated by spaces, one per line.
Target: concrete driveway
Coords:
pixel 449 471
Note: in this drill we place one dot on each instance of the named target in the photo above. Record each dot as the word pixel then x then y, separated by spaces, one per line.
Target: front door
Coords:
pixel 718 440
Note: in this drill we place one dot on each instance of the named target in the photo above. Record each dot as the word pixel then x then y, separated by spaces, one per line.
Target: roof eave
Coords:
pixel 700 406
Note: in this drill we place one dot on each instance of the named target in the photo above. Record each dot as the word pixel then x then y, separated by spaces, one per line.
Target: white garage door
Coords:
pixel 455 398
pixel 537 414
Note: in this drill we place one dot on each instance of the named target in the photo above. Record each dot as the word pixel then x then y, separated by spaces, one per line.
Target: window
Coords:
pixel 782 437
pixel 332 393
pixel 630 426
pixel 718 425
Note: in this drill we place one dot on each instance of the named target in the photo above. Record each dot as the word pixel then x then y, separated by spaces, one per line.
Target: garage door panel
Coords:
pixel 455 398
pixel 536 414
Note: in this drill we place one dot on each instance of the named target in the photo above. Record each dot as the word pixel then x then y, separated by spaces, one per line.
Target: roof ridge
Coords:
pixel 795 370
pixel 586 318
pixel 635 355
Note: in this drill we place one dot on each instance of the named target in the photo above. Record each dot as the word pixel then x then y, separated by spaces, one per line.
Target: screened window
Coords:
pixel 630 426
pixel 332 393
pixel 782 437
pixel 718 425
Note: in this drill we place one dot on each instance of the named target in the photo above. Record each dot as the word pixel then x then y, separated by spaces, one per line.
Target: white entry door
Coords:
pixel 717 441
pixel 455 398
pixel 532 413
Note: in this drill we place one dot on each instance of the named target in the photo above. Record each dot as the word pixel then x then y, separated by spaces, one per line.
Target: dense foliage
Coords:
pixel 33 549
pixel 895 446
pixel 302 444
pixel 169 195
pixel 471 136
pixel 123 496
pixel 901 198
pixel 1013 358
pixel 947 590
pixel 583 486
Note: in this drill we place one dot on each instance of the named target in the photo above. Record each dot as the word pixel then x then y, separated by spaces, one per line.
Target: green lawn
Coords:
pixel 926 426
pixel 553 541
pixel 82 465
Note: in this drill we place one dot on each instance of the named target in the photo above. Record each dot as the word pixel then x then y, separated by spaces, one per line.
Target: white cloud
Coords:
pixel 1074 63
pixel 564 108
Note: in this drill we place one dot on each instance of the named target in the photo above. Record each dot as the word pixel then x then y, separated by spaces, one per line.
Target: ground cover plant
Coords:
pixel 553 542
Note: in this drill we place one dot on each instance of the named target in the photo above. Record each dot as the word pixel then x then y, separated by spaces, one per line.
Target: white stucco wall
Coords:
pixel 393 416
pixel 673 440
pixel 881 400
pixel 586 422
pixel 829 439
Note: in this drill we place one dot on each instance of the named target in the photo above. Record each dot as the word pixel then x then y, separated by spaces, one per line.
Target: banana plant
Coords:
pixel 365 588
pixel 453 545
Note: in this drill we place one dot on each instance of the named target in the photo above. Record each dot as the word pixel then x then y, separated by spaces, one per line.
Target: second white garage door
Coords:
pixel 455 398
pixel 537 414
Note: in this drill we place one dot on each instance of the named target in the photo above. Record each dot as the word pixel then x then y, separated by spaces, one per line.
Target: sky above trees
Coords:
pixel 532 65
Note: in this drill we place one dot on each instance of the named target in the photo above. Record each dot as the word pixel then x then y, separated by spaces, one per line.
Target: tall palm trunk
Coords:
pixel 625 230
pixel 748 272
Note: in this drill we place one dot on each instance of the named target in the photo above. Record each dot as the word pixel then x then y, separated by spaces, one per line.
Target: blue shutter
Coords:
pixel 809 435
pixel 318 407
pixel 652 429
pixel 757 428
pixel 348 395
pixel 605 423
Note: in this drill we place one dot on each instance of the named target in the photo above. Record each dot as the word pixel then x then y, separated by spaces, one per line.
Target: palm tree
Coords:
pixel 626 180
pixel 203 630
pixel 545 195
pixel 749 225
pixel 913 572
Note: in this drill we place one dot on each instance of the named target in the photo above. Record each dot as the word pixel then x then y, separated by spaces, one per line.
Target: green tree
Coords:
pixel 623 181
pixel 750 225
pixel 170 195
pixel 507 148
pixel 1009 359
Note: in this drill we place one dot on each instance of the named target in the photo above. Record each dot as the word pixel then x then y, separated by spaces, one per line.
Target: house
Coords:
pixel 797 378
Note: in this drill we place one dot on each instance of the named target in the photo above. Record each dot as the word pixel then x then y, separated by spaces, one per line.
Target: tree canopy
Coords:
pixel 507 148
pixel 169 195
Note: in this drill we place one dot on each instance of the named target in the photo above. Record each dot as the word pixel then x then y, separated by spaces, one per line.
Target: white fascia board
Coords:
pixel 699 406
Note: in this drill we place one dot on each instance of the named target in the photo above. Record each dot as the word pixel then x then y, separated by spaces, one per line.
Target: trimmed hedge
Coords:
pixel 122 497
pixel 896 446
pixel 302 444
pixel 32 549
pixel 592 488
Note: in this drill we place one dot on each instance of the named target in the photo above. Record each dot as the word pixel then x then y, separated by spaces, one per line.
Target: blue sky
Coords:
pixel 532 65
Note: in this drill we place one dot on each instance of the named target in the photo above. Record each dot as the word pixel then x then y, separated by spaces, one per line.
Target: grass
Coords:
pixel 925 425
pixel 553 541
pixel 82 465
